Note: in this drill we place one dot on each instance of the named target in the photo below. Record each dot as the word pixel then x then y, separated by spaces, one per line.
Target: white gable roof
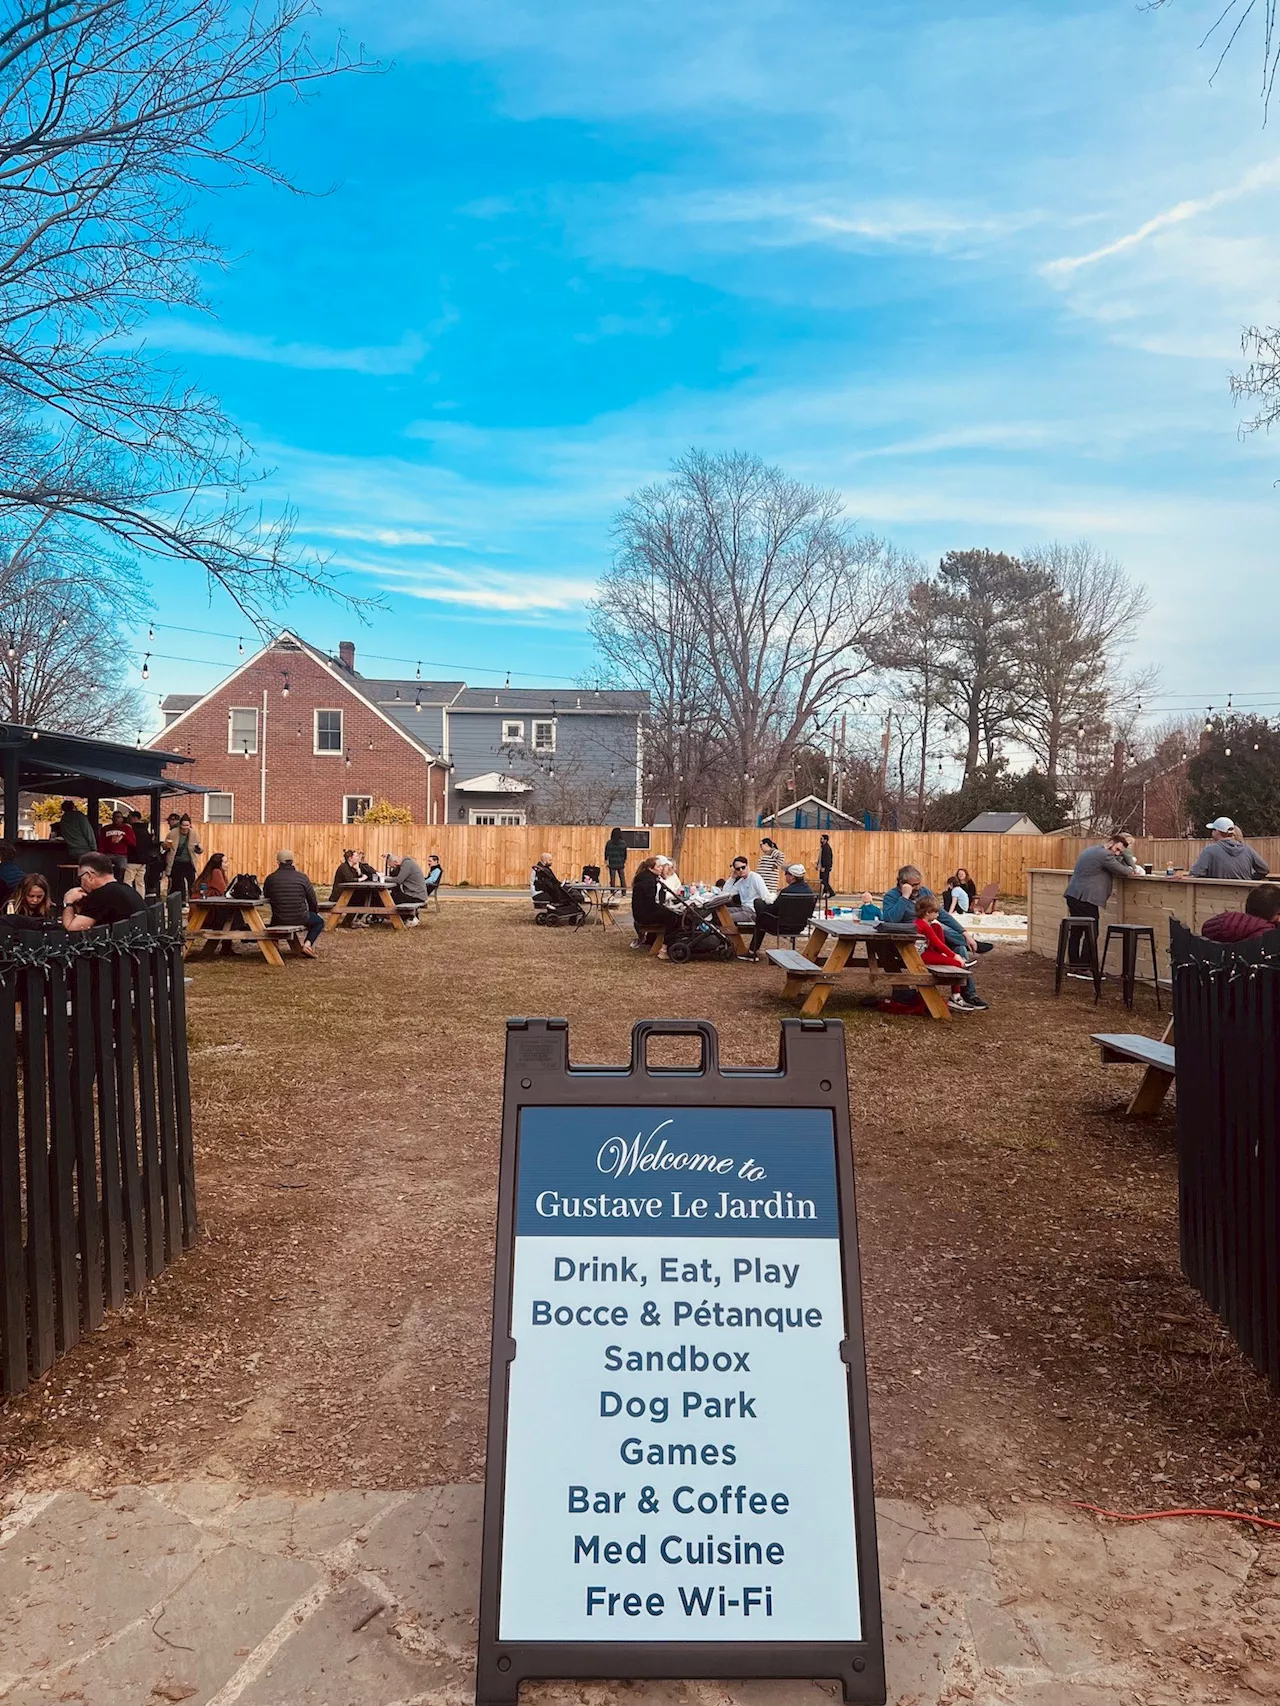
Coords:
pixel 493 782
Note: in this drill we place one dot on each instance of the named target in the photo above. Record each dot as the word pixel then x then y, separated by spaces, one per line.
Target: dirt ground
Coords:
pixel 1028 1330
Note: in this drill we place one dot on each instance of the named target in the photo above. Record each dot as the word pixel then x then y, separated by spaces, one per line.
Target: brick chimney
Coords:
pixel 347 655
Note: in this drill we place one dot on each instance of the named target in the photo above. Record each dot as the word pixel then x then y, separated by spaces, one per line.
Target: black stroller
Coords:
pixel 697 936
pixel 553 904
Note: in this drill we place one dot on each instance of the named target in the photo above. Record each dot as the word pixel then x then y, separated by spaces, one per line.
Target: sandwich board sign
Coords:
pixel 679 1465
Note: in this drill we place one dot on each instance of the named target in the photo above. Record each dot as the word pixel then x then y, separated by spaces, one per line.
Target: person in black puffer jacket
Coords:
pixel 293 899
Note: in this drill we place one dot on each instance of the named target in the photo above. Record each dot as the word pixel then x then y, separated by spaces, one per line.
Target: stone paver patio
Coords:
pixel 207 1593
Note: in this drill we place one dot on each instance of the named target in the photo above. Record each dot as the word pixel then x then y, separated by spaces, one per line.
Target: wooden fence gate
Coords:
pixel 1226 1004
pixel 97 1182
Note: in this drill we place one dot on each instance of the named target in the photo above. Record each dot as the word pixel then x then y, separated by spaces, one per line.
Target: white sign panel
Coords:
pixel 678 1447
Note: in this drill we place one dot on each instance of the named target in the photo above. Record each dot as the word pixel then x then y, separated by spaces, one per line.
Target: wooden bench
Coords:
pixel 799 968
pixel 1155 1054
pixel 265 939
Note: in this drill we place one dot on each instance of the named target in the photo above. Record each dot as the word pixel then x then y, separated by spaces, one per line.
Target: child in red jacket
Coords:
pixel 936 952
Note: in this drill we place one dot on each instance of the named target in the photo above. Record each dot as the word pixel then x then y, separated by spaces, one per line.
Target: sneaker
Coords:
pixel 975 1003
pixel 958 1004
pixel 1081 976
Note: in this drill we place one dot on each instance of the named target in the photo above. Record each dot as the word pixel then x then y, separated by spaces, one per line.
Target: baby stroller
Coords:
pixel 697 937
pixel 553 903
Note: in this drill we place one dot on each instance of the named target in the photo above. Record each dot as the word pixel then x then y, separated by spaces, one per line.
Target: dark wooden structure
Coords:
pixel 1226 1004
pixel 97 1181
pixel 42 761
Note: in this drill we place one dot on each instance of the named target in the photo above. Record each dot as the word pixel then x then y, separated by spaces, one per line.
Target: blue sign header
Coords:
pixel 673 1172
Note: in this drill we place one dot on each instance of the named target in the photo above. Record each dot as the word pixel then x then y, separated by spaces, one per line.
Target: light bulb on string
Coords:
pixel 417 674
pixel 146 667
pixel 240 646
pixel 151 631
pixel 284 691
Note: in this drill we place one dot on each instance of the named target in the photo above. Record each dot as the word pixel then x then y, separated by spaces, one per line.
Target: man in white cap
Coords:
pixel 1228 855
pixel 787 915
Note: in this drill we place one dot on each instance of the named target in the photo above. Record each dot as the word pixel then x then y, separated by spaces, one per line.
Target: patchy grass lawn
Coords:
pixel 1028 1329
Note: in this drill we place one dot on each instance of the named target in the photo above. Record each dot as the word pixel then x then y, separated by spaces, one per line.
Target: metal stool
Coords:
pixel 1130 935
pixel 1079 936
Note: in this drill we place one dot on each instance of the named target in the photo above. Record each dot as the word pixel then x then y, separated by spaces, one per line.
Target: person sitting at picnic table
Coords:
pixel 1229 855
pixel 939 952
pixel 742 889
pixel 74 829
pixel 770 863
pixel 770 916
pixel 349 870
pixel 900 908
pixel 959 892
pixel 1261 913
pixel 32 900
pixel 409 884
pixel 292 900
pixel 100 897
pixel 868 911
pixel 615 858
pixel 652 905
pixel 11 872
pixel 1090 888
pixel 212 881
pixel 668 876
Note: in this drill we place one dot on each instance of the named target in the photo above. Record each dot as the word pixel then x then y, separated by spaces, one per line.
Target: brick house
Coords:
pixel 291 737
pixel 295 736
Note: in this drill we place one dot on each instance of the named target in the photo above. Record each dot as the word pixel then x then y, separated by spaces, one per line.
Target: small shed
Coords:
pixel 1001 823
pixel 810 813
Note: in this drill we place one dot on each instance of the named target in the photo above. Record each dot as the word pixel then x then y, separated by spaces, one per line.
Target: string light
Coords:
pixel 284 691
pixel 146 671
pixel 240 647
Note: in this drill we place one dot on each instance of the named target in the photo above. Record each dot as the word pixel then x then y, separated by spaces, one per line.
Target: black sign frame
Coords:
pixel 811 1073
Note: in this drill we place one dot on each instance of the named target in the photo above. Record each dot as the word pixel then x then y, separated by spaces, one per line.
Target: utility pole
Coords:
pixel 886 740
pixel 844 724
pixel 262 759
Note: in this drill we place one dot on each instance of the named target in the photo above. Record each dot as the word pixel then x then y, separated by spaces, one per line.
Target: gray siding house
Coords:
pixel 526 755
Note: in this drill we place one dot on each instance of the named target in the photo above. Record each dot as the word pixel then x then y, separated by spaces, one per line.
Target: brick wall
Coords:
pixel 302 785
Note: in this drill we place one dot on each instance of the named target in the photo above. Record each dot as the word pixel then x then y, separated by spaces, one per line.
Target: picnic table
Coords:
pixel 884 956
pixel 219 924
pixel 364 899
pixel 596 896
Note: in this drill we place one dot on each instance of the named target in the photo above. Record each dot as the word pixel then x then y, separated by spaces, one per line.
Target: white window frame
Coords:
pixel 243 711
pixel 488 816
pixel 512 731
pixel 327 751
pixel 544 723
pixel 220 794
pixel 347 816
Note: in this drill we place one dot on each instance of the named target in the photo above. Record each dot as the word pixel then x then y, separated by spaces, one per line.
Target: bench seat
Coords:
pixel 795 964
pixel 1156 1056
pixel 1143 1051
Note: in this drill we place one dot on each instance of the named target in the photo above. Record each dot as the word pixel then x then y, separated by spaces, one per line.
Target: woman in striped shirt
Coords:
pixel 771 864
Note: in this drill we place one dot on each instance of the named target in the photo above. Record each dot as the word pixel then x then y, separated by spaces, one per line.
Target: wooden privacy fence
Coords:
pixel 487 857
pixel 1226 1006
pixel 97 1184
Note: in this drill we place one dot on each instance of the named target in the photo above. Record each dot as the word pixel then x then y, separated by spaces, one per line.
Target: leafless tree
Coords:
pixel 113 115
pixel 785 605
pixel 1073 639
pixel 1229 18
pixel 916 652
pixel 649 637
pixel 64 637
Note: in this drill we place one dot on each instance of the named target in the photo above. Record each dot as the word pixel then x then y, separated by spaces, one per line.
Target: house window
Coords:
pixel 512 731
pixel 328 731
pixel 501 820
pixel 242 729
pixel 544 737
pixel 219 808
pixel 354 806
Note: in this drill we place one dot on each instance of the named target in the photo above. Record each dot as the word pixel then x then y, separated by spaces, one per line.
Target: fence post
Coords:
pixel 33 989
pixel 13 1300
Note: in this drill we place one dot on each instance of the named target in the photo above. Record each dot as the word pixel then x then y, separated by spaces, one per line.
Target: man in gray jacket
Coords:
pixel 1092 881
pixel 409 883
pixel 1228 855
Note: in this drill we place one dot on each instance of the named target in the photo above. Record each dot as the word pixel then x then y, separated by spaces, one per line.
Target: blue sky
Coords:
pixel 983 268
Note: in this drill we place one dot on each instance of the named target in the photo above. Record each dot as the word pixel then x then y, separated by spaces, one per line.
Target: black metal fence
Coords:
pixel 1226 1004
pixel 97 1182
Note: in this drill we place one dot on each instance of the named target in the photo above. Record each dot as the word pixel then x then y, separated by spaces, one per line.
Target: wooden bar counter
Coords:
pixel 1134 900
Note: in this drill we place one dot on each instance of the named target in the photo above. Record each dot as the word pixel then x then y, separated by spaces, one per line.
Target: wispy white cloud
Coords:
pixel 201 338
pixel 530 594
pixel 1261 176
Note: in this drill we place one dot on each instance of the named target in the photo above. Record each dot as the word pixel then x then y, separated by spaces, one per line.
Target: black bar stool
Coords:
pixel 1130 935
pixel 1078 945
